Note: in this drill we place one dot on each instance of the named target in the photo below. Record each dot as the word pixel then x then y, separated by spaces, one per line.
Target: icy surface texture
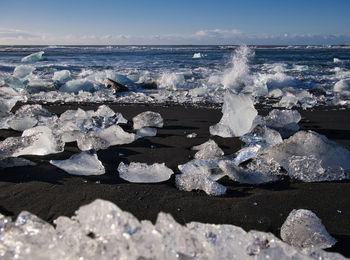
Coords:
pixel 309 156
pixel 147 118
pixel 43 142
pixel 262 136
pixel 143 173
pixel 246 153
pixel 23 71
pixel 7 104
pixel 76 85
pixel 33 57
pixel 305 230
pixel 284 121
pixel 146 131
pixel 84 163
pixel 200 174
pixel 62 76
pixel 238 116
pixel 100 230
pixel 342 87
pixel 207 150
pixel 243 176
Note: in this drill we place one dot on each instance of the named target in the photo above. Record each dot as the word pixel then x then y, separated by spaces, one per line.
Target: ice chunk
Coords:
pixel 61 76
pixel 243 176
pixel 90 141
pixel 208 150
pixel 7 104
pixel 197 55
pixel 146 131
pixel 342 87
pixel 12 144
pixel 76 85
pixel 22 71
pixel 143 173
pixel 289 100
pixel 15 162
pixel 192 135
pixel 44 142
pixel 305 230
pixel 148 118
pixel 246 153
pixel 22 123
pixel 238 116
pixel 115 135
pixel 101 230
pixel 14 82
pixel 200 174
pixel 262 136
pixel 199 181
pixel 84 163
pixel 308 152
pixel 284 121
pixel 33 57
pixel 39 85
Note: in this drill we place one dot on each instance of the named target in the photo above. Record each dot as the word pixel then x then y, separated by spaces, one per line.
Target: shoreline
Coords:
pixel 48 192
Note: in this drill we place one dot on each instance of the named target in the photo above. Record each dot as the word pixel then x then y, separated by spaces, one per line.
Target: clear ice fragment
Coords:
pixel 61 76
pixel 146 131
pixel 143 173
pixel 207 150
pixel 84 163
pixel 284 121
pixel 303 229
pixel 147 118
pixel 33 57
pixel 22 71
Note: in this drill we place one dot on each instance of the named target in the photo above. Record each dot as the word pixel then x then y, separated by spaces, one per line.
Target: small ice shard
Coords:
pixel 262 136
pixel 308 152
pixel 76 85
pixel 146 131
pixel 246 153
pixel 199 181
pixel 197 55
pixel 238 116
pixel 44 142
pixel 61 76
pixel 15 162
pixel 22 71
pixel 208 150
pixel 192 135
pixel 303 229
pixel 243 176
pixel 33 57
pixel 148 118
pixel 84 163
pixel 336 60
pixel 284 121
pixel 143 173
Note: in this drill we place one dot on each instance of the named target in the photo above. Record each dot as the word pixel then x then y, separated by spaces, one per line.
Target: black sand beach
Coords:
pixel 49 192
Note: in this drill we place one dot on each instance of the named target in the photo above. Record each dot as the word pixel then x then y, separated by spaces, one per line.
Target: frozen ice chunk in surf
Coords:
pixel 84 163
pixel 303 229
pixel 33 57
pixel 238 116
pixel 61 76
pixel 147 118
pixel 143 173
pixel 284 121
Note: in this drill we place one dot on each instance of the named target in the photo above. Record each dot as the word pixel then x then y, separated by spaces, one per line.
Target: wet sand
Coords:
pixel 49 192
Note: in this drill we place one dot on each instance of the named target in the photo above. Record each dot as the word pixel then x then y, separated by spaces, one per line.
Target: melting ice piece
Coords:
pixel 84 163
pixel 289 100
pixel 246 153
pixel 14 82
pixel 197 55
pixel 284 121
pixel 305 230
pixel 90 141
pixel 308 152
pixel 7 104
pixel 243 176
pixel 342 87
pixel 263 136
pixel 115 135
pixel 208 150
pixel 148 118
pixel 143 173
pixel 76 85
pixel 199 181
pixel 238 116
pixel 146 131
pixel 34 56
pixel 61 76
pixel 22 71
pixel 13 144
pixel 101 230
pixel 44 142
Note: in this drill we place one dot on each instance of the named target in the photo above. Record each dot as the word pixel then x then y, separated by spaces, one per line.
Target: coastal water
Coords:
pixel 203 72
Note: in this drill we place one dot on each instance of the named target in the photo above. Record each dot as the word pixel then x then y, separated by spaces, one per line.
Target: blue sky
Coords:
pixel 174 22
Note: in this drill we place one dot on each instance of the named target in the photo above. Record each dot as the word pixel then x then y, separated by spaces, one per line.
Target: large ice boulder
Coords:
pixel 310 157
pixel 84 163
pixel 144 173
pixel 303 229
pixel 33 57
pixel 22 71
pixel 238 116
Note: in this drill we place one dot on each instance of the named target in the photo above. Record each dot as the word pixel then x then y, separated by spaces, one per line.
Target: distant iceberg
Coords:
pixel 33 57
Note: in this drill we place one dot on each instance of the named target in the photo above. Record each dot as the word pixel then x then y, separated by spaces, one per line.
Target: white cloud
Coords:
pixel 205 36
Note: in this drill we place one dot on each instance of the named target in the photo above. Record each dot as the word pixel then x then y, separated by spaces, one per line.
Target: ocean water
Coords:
pixel 183 73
